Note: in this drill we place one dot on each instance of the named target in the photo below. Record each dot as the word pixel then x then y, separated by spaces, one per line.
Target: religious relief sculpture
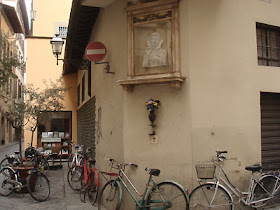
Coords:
pixel 155 56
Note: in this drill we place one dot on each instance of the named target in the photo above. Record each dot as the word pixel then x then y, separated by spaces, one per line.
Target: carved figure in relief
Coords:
pixel 155 55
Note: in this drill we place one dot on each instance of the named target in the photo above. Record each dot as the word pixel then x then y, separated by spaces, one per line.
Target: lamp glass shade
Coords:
pixel 57 44
pixel 33 15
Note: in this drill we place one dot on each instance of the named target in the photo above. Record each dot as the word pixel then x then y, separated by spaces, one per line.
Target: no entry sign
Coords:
pixel 95 51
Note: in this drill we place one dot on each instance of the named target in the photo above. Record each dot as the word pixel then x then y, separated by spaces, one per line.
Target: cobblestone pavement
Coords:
pixel 61 196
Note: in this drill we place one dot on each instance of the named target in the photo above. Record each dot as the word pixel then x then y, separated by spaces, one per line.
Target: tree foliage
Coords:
pixel 9 59
pixel 41 100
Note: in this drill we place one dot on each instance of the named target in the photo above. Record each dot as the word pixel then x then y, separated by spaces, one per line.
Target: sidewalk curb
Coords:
pixel 2 147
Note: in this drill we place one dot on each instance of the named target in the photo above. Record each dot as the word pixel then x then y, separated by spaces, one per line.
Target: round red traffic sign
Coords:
pixel 95 51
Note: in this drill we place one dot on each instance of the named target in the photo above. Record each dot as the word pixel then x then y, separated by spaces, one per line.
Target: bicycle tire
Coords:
pixel 174 196
pixel 75 178
pixel 270 183
pixel 110 196
pixel 202 195
pixel 38 186
pixel 7 187
pixel 6 162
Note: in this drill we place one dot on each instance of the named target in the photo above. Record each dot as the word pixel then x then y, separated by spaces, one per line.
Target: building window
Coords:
pixel 268 43
pixel 78 95
pixel 19 90
pixel 61 29
pixel 15 85
pixel 83 88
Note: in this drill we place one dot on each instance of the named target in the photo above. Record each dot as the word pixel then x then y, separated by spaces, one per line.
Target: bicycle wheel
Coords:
pixel 202 198
pixel 6 162
pixel 262 192
pixel 38 186
pixel 169 196
pixel 75 178
pixel 7 175
pixel 111 196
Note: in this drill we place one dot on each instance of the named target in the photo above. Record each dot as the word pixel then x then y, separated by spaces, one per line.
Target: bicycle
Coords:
pixel 36 182
pixel 217 194
pixel 163 195
pixel 91 182
pixel 29 157
pixel 9 159
pixel 75 175
pixel 76 157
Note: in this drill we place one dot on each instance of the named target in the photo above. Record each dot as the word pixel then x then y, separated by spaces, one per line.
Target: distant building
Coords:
pixel 14 25
pixel 52 18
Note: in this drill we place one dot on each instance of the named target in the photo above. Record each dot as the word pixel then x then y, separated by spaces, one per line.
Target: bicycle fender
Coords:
pixel 176 183
pixel 97 178
pixel 224 188
pixel 121 193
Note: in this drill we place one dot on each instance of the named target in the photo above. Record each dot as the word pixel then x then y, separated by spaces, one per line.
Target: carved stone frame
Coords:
pixel 153 11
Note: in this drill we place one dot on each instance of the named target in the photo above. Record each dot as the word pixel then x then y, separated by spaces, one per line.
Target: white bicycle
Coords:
pixel 76 156
pixel 217 194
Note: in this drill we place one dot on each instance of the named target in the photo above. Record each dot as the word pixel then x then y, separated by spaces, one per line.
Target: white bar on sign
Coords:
pixel 95 51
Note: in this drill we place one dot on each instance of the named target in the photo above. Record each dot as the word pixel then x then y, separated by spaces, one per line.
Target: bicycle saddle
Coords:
pixel 16 152
pixel 254 168
pixel 16 163
pixel 154 172
pixel 92 161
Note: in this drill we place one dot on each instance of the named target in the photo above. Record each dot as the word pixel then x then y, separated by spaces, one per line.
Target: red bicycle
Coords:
pixel 84 179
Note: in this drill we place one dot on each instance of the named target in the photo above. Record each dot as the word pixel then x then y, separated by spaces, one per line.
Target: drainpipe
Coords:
pixel 1 7
pixel 31 22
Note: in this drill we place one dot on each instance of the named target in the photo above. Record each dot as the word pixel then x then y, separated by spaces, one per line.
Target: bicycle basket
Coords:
pixel 205 171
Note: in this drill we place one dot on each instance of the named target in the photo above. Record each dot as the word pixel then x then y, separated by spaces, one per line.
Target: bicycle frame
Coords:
pixel 141 204
pixel 75 160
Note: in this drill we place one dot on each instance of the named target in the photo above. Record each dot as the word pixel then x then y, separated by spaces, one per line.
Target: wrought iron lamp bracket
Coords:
pixel 107 67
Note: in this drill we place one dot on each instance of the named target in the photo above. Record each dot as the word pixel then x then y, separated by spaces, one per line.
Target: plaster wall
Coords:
pixel 49 14
pixel 225 79
pixel 218 106
pixel 38 71
pixel 111 31
pixel 125 124
pixel 41 63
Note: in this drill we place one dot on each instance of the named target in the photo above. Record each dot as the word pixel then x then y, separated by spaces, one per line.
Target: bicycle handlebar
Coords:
pixel 122 164
pixel 133 165
pixel 219 154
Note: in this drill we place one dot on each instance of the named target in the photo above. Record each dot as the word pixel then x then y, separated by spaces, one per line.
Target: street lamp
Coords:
pixel 57 44
pixel 33 15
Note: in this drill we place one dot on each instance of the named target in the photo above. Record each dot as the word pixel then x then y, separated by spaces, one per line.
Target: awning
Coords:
pixel 14 19
pixel 82 20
